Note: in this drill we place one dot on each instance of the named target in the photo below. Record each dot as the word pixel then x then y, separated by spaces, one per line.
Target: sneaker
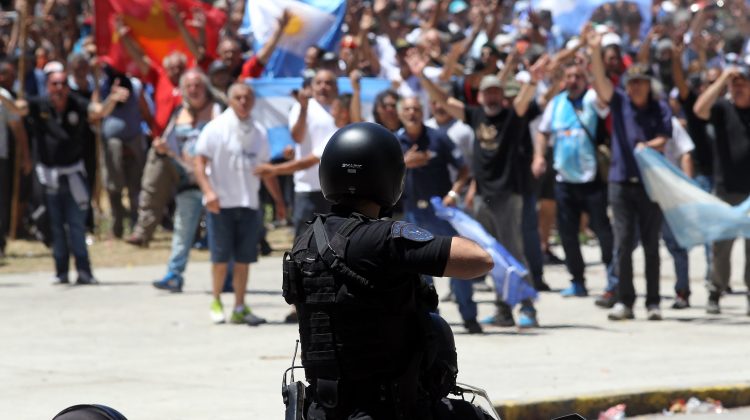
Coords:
pixel 86 280
pixel 217 312
pixel 653 313
pixel 527 318
pixel 541 286
pixel 575 289
pixel 620 312
pixel 681 301
pixel 607 300
pixel 473 327
pixel 243 315
pixel 137 241
pixel 502 318
pixel 172 282
pixel 265 248
pixel 712 307
pixel 552 259
pixel 60 280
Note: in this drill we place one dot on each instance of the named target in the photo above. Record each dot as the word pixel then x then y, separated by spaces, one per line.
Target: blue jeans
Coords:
pixel 68 225
pixel 680 257
pixel 706 183
pixel 532 245
pixel 572 200
pixel 463 290
pixel 187 215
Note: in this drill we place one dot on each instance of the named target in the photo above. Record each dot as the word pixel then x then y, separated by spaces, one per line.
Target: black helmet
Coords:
pixel 363 160
pixel 89 412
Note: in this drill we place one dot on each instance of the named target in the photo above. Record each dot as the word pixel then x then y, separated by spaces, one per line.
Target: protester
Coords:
pixel 228 150
pixel 732 170
pixel 59 124
pixel 570 120
pixel 499 133
pixel 311 125
pixel 176 149
pixel 639 120
pixel 428 154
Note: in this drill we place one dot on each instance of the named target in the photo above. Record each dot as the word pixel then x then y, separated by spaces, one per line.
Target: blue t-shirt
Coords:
pixel 433 179
pixel 630 126
pixel 571 124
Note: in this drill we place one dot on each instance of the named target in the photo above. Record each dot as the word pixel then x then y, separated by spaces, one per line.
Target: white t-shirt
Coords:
pixel 320 127
pixel 679 144
pixel 234 148
pixel 5 116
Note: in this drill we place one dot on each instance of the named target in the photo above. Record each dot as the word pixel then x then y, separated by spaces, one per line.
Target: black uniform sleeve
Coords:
pixel 373 250
pixel 422 257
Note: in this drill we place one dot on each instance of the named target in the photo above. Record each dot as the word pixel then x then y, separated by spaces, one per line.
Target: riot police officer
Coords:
pixel 364 313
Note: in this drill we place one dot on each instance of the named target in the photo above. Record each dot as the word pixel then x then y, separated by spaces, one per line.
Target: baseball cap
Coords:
pixel 611 38
pixel 636 72
pixel 511 88
pixel 490 81
pixel 53 67
pixel 217 66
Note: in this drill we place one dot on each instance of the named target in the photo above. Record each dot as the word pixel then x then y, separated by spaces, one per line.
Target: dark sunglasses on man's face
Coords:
pixel 57 83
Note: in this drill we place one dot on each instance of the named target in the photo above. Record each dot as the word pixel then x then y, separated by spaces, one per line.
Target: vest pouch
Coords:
pixel 292 281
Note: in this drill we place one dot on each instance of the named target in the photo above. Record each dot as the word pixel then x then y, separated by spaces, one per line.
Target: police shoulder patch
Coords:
pixel 411 232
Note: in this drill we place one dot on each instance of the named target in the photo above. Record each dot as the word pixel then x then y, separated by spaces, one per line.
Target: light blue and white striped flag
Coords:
pixel 273 100
pixel 313 22
pixel 508 272
pixel 695 216
pixel 570 15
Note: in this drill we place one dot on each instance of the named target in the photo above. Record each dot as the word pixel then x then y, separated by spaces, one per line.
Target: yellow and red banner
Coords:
pixel 152 27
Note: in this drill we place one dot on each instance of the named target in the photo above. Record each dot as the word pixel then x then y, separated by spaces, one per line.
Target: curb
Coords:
pixel 638 403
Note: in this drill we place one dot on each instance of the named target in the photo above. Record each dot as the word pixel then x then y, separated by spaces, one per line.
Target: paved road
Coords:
pixel 155 355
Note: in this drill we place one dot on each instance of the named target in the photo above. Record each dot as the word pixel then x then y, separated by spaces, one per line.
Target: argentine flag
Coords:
pixel 273 100
pixel 695 216
pixel 508 272
pixel 313 22
pixel 570 15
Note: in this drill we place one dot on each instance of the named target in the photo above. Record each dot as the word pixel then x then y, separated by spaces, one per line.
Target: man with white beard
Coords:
pixel 499 126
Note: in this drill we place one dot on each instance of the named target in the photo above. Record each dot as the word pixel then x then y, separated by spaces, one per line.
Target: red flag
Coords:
pixel 151 27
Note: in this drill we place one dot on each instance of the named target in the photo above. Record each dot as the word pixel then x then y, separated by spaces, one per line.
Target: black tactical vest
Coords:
pixel 355 332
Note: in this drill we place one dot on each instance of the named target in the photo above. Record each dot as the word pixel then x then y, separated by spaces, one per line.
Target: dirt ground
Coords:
pixel 105 251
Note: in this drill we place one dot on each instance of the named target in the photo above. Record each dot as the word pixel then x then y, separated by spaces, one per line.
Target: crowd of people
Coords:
pixel 497 108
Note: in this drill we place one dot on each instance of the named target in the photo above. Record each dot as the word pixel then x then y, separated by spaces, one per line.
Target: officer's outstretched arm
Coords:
pixel 467 260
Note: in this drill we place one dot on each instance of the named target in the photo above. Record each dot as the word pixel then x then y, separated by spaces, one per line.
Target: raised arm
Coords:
pixel 417 62
pixel 196 48
pixel 270 46
pixel 118 94
pixel 602 85
pixel 131 47
pixel 299 128
pixel 707 99
pixel 355 107
pixel 523 100
pixel 678 74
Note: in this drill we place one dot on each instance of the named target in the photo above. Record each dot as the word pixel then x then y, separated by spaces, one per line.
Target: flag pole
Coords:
pixel 22 15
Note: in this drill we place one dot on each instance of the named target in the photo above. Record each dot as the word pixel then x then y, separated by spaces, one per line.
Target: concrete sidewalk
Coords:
pixel 155 355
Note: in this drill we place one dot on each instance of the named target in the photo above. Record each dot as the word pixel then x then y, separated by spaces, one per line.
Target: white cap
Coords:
pixel 611 38
pixel 53 67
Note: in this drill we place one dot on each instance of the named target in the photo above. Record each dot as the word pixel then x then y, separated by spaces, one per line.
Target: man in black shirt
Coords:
pixel 731 122
pixel 60 123
pixel 498 166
